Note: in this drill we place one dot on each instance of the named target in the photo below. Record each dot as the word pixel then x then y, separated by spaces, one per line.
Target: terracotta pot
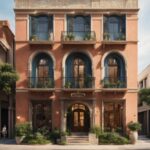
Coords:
pixel 19 139
pixel 133 136
pixel 93 139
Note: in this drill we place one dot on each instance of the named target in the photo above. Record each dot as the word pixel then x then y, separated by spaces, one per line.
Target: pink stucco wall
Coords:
pixel 97 53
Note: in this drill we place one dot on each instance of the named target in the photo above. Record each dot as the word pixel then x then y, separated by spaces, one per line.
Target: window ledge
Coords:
pixel 41 42
pixel 41 89
pixel 114 42
pixel 114 89
pixel 88 42
pixel 78 89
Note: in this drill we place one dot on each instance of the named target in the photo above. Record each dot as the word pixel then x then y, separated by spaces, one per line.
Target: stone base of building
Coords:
pixel 76 111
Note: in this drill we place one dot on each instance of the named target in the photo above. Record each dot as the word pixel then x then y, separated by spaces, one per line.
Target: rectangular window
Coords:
pixel 114 27
pixel 78 23
pixel 41 27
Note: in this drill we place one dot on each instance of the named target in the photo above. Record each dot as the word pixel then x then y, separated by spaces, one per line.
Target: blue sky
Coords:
pixel 6 12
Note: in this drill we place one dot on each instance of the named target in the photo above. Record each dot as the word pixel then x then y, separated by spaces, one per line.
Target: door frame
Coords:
pixel 70 118
pixel 114 101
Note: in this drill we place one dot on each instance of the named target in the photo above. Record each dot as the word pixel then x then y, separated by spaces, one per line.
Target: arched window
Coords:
pixel 42 68
pixel 42 71
pixel 115 74
pixel 78 71
pixel 79 68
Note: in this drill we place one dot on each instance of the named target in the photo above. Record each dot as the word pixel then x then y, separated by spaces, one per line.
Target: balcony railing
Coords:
pixel 77 4
pixel 78 36
pixel 79 82
pixel 41 82
pixel 35 39
pixel 114 37
pixel 110 82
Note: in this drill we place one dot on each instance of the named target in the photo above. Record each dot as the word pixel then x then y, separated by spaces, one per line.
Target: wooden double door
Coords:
pixel 114 116
pixel 78 118
pixel 41 115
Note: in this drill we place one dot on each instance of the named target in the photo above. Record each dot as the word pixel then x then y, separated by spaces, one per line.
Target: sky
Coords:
pixel 6 12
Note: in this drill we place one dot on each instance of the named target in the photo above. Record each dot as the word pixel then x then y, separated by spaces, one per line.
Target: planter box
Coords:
pixel 133 135
pixel 93 139
pixel 19 139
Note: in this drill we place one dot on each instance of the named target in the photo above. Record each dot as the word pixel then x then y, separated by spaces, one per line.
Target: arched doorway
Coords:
pixel 78 118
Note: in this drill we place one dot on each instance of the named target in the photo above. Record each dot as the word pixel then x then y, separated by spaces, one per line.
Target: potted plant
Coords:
pixel 68 84
pixel 50 38
pixel 94 134
pixel 122 37
pixel 63 138
pixel 88 81
pixel 70 36
pixel 33 38
pixel 134 127
pixel 22 129
pixel 87 37
pixel 106 36
pixel 49 84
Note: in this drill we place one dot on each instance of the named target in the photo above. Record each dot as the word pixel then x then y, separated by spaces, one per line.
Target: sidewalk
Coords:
pixel 141 145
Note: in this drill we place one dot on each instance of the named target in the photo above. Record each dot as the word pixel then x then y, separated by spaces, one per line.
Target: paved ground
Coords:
pixel 143 144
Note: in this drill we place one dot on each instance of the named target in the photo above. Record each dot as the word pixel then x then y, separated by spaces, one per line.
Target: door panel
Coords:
pixel 78 118
pixel 78 121
pixel 113 116
pixel 41 115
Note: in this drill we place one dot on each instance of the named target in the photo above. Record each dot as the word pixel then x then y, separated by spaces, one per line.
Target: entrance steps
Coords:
pixel 78 139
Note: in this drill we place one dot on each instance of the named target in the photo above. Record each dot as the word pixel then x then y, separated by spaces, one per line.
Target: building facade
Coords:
pixel 143 108
pixel 7 55
pixel 77 62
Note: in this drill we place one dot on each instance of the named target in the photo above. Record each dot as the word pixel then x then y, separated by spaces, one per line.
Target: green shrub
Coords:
pixel 44 131
pixel 134 126
pixel 96 130
pixel 55 135
pixel 37 138
pixel 68 132
pixel 22 129
pixel 8 77
pixel 63 143
pixel 112 138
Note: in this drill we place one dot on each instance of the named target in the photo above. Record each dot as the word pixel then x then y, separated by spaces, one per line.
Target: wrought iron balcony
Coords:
pixel 41 82
pixel 79 82
pixel 35 39
pixel 77 4
pixel 78 37
pixel 114 38
pixel 110 82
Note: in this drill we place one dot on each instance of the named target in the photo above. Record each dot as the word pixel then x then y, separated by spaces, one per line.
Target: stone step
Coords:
pixel 77 139
pixel 81 137
pixel 78 143
pixel 74 139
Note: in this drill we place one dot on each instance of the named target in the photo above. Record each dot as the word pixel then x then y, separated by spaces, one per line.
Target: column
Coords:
pixel 63 116
pixel 10 117
pixel 0 118
pixel 148 123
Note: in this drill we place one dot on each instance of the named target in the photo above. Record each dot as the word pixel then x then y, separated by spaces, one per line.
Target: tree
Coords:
pixel 8 77
pixel 144 95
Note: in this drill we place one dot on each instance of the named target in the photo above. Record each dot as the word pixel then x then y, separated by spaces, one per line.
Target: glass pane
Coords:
pixel 76 122
pixel 78 24
pixel 82 119
pixel 113 116
pixel 41 115
pixel 113 70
